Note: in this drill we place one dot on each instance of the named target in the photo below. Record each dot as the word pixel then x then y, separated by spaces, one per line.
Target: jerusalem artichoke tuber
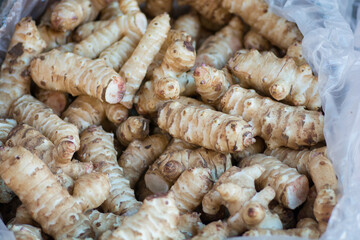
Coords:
pixel 133 128
pixel 56 100
pixel 111 11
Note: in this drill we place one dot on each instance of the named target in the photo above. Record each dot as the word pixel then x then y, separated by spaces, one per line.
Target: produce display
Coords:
pixel 141 119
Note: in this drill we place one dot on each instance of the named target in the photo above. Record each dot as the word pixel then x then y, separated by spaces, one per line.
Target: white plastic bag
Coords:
pixel 328 46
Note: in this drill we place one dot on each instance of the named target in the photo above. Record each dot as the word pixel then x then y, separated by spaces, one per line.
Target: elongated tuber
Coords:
pixel 15 81
pixel 235 178
pixel 157 218
pixel 154 36
pixel 279 78
pixel 111 11
pixel 219 48
pixel 48 203
pixel 65 136
pixel 258 16
pixel 129 6
pixel 204 127
pixel 87 29
pixel 133 128
pixel 190 188
pixel 140 154
pixel 77 75
pixel 290 186
pixel 164 172
pixel 278 124
pixel 189 23
pixel 97 146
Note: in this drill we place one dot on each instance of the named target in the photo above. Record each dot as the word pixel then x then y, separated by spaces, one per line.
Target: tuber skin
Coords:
pixel 290 186
pixel 87 29
pixel 47 201
pixel 97 146
pixel 26 232
pixel 256 14
pixel 189 23
pixel 133 128
pixel 278 124
pixel 25 44
pixel 157 7
pixel 102 222
pixel 295 52
pixel 190 224
pixel 65 136
pixel 157 218
pixel 154 36
pixel 56 100
pixel 235 179
pixel 254 40
pixel 205 127
pixel 129 6
pixel 140 154
pixel 164 172
pixel 217 49
pixel 213 231
pixel 77 75
pixel 258 147
pixel 111 11
pixel 279 78
pixel 190 188
pixel 6 124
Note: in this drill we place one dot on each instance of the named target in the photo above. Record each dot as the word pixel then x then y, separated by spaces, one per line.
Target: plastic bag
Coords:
pixel 328 46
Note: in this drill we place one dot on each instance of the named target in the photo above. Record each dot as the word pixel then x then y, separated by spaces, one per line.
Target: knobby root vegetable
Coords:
pixel 97 146
pixel 25 44
pixel 157 218
pixel 190 224
pixel 279 78
pixel 24 231
pixel 258 147
pixel 261 19
pixel 254 213
pixel 133 128
pixel 6 124
pixel 189 23
pixel 164 172
pixel 47 201
pixel 291 187
pixel 77 75
pixel 277 123
pixel 219 48
pixel 129 6
pixel 254 40
pixel 65 136
pixel 140 154
pixel 111 11
pixel 295 51
pixel 234 178
pixel 207 128
pixel 95 43
pixel 213 231
pixel 134 70
pixel 101 222
pixel 87 29
pixel 190 188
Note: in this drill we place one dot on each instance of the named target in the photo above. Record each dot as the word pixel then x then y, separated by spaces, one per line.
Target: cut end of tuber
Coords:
pixel 115 91
pixel 296 192
pixel 156 184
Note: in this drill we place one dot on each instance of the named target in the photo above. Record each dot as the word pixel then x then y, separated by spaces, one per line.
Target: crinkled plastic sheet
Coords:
pixel 329 46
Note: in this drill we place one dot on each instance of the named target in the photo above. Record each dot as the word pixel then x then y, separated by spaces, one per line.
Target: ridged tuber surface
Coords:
pixel 157 7
pixel 254 40
pixel 26 232
pixel 84 111
pixel 129 6
pixel 189 23
pixel 157 218
pixel 77 75
pixel 193 102
pixel 140 154
pixel 211 10
pixel 31 139
pixel 97 146
pixel 53 38
pixel 255 13
pixel 68 14
pixel 95 43
pixel 190 224
pixel 235 178
pixel 111 11
pixel 133 128
pixel 116 113
pixel 213 231
pixel 56 100
pixel 91 190
pixel 324 204
pixel 295 51
pixel 211 83
pixel 65 136
pixel 87 29
pixel 258 147
pixel 134 70
pixel 313 163
pixel 308 231
pixel 190 188
pixel 101 222
pixel 15 80
pixel 279 78
pixel 48 203
pixel 164 172
pixel 291 187
pixel 207 128
pixel 254 213
pixel 220 47
pixel 277 123
pixel 6 124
